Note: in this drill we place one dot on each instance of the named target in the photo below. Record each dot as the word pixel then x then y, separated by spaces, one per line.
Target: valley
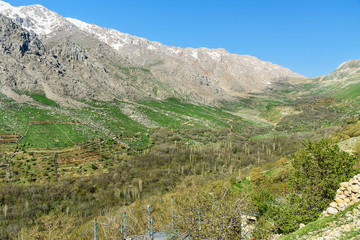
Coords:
pixel 95 123
pixel 122 160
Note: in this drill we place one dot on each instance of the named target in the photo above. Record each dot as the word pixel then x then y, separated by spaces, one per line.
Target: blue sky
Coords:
pixel 311 37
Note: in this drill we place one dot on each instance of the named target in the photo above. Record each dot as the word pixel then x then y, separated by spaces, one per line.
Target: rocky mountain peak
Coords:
pixel 35 18
pixel 345 69
pixel 351 64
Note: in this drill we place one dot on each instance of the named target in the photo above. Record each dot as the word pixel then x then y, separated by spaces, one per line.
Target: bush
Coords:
pixel 319 168
pixel 93 166
pixel 258 178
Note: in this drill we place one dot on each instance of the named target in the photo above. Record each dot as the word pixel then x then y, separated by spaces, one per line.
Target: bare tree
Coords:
pixel 213 212
pixel 55 225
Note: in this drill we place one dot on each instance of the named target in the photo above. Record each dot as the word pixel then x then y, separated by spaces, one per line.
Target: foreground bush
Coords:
pixel 318 169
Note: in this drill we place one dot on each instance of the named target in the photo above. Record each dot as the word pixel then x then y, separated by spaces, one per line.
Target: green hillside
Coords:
pixel 120 155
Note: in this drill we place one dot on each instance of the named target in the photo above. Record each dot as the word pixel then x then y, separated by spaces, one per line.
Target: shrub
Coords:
pixel 319 168
pixel 258 178
pixel 93 166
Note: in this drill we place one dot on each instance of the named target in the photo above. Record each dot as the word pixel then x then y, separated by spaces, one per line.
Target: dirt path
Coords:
pixel 65 134
pixel 251 117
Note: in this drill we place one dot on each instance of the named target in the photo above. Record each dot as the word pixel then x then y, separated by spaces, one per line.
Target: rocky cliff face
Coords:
pixel 17 41
pixel 110 64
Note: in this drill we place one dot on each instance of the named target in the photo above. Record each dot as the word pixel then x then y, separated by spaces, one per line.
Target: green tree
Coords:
pixel 258 178
pixel 319 168
pixel 282 173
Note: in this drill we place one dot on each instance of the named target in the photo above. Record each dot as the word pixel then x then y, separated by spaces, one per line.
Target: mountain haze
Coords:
pixel 91 62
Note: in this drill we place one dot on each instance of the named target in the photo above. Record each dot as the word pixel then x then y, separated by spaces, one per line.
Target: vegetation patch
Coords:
pixel 41 98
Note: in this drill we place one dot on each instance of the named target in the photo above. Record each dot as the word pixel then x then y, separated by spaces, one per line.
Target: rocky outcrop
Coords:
pixel 345 69
pixel 17 41
pixel 346 195
pixel 69 51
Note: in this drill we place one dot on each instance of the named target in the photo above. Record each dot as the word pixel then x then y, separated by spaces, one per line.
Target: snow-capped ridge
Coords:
pixel 199 72
pixel 44 22
pixel 36 18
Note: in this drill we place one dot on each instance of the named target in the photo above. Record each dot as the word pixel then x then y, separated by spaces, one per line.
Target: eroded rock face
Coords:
pixel 346 195
pixel 17 41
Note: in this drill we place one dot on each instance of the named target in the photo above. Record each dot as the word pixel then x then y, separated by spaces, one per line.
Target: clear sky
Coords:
pixel 311 37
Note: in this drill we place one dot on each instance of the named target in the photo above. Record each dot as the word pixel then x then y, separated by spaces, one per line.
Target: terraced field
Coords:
pixel 34 165
pixel 47 126
pixel 9 138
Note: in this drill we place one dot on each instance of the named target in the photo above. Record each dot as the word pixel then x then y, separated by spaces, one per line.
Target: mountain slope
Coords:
pixel 342 83
pixel 201 75
pixel 65 72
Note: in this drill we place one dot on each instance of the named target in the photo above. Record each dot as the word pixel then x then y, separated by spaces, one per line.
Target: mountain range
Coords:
pixel 69 61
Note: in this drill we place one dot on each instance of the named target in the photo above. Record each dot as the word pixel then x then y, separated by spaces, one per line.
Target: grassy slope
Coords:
pixel 288 106
pixel 104 119
pixel 277 106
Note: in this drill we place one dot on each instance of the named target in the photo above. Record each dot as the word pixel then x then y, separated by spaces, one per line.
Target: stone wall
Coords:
pixel 346 195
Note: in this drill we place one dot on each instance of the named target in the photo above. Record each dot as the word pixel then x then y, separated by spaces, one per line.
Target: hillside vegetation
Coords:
pixel 65 165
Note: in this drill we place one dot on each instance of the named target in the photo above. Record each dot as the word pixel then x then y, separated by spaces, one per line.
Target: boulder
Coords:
pixel 354 199
pixel 353 181
pixel 339 200
pixel 332 211
pixel 334 204
pixel 341 196
pixel 348 194
pixel 355 189
pixel 356 212
pixel 341 205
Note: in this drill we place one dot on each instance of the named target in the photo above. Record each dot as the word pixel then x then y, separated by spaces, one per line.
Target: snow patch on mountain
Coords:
pixel 194 54
pixel 110 36
pixel 214 55
pixel 35 18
